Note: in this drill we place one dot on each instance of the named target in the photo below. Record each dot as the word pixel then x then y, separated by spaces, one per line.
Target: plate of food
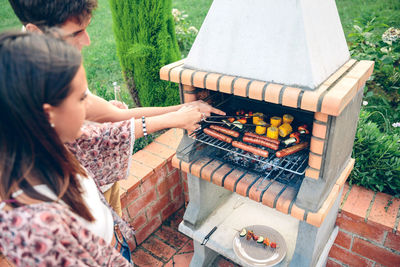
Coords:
pixel 259 245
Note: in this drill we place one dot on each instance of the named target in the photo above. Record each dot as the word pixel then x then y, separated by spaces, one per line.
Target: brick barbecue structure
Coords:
pixel 298 197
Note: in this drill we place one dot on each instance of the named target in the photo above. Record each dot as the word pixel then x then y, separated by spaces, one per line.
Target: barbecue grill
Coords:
pixel 229 188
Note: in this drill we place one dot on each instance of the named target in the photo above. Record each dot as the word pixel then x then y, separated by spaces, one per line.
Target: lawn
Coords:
pixel 101 61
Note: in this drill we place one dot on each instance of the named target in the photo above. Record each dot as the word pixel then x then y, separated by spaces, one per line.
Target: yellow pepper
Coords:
pixel 276 121
pixel 272 132
pixel 285 129
pixel 257 117
pixel 287 118
pixel 261 127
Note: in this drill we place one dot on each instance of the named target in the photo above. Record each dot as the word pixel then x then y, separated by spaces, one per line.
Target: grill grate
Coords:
pixel 295 163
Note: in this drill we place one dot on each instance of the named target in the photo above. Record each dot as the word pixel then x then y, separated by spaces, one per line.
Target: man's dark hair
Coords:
pixel 49 13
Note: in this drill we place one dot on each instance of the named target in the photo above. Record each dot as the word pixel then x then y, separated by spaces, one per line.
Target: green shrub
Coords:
pixel 377 155
pixel 185 33
pixel 369 42
pixel 145 38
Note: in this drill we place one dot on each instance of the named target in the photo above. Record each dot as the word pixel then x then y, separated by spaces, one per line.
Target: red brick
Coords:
pixel 129 184
pixel 170 138
pixel 177 191
pixel 127 198
pixel 172 237
pixel 244 183
pixel 148 229
pixel 220 174
pixel 149 184
pixel 231 179
pixel 149 160
pixel 331 263
pixel 139 221
pixel 257 188
pixel 159 248
pixel 141 203
pixel 139 170
pixel 125 215
pixel 160 150
pixel 393 241
pixel 343 239
pixel 347 257
pixel 269 196
pixel 180 260
pixel 166 184
pixel 368 250
pixel 141 258
pixel 158 206
pixel 356 225
pixel 378 213
pixel 358 201
pixel 188 247
pixel 179 202
pixel 175 219
pixel 131 244
pixel 168 211
pixel 169 166
pixel 162 173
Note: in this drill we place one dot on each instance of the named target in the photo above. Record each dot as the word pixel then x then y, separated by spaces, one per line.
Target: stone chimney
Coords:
pixel 292 42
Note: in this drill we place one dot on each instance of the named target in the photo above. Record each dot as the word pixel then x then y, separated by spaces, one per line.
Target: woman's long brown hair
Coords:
pixel 36 69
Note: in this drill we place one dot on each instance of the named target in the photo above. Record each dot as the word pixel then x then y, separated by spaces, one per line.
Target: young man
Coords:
pixel 104 149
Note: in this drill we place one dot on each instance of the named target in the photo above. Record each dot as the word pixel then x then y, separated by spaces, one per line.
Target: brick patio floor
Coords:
pixel 168 247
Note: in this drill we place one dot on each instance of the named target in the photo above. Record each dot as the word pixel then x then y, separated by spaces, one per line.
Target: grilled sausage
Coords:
pixel 261 142
pixel 224 130
pixel 291 150
pixel 274 141
pixel 217 135
pixel 251 149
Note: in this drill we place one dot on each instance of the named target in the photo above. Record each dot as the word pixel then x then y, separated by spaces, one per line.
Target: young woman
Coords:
pixel 51 212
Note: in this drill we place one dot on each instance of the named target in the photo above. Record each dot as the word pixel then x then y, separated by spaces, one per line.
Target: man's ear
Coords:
pixel 32 28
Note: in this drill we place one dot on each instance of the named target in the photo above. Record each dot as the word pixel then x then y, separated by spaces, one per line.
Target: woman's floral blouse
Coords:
pixel 49 234
pixel 105 149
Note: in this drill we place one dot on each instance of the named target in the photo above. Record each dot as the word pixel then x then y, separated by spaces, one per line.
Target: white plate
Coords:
pixel 256 254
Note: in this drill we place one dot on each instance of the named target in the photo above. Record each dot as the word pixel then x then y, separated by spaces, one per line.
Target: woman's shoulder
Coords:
pixel 50 233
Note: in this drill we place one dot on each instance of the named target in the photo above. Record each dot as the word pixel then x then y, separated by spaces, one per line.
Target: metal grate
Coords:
pixel 295 163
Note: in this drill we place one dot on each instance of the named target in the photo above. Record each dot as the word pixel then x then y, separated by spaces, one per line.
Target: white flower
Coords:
pixel 193 29
pixel 391 35
pixel 365 103
pixel 115 83
pixel 396 124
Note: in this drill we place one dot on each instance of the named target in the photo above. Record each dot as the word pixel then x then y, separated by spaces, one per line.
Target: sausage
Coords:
pixel 217 135
pixel 251 149
pixel 224 130
pixel 261 142
pixel 291 150
pixel 274 141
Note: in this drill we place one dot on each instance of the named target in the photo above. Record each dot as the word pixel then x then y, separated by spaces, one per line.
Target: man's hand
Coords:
pixel 204 108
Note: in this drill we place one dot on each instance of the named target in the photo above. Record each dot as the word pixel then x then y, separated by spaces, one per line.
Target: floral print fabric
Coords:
pixel 105 149
pixel 49 234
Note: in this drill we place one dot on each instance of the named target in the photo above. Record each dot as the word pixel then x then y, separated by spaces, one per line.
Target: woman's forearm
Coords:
pixel 100 110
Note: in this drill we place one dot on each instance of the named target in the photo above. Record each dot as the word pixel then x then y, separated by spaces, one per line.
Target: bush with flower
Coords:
pixel 185 33
pixel 377 142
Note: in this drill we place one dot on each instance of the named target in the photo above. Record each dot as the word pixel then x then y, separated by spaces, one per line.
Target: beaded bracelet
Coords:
pixel 144 127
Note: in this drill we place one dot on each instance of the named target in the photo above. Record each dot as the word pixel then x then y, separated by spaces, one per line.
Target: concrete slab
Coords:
pixel 236 213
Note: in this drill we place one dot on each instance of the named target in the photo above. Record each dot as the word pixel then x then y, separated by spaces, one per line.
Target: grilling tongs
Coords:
pixel 206 119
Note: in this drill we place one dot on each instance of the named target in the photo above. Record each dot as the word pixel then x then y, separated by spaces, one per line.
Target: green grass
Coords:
pixel 101 61
pixel 8 20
